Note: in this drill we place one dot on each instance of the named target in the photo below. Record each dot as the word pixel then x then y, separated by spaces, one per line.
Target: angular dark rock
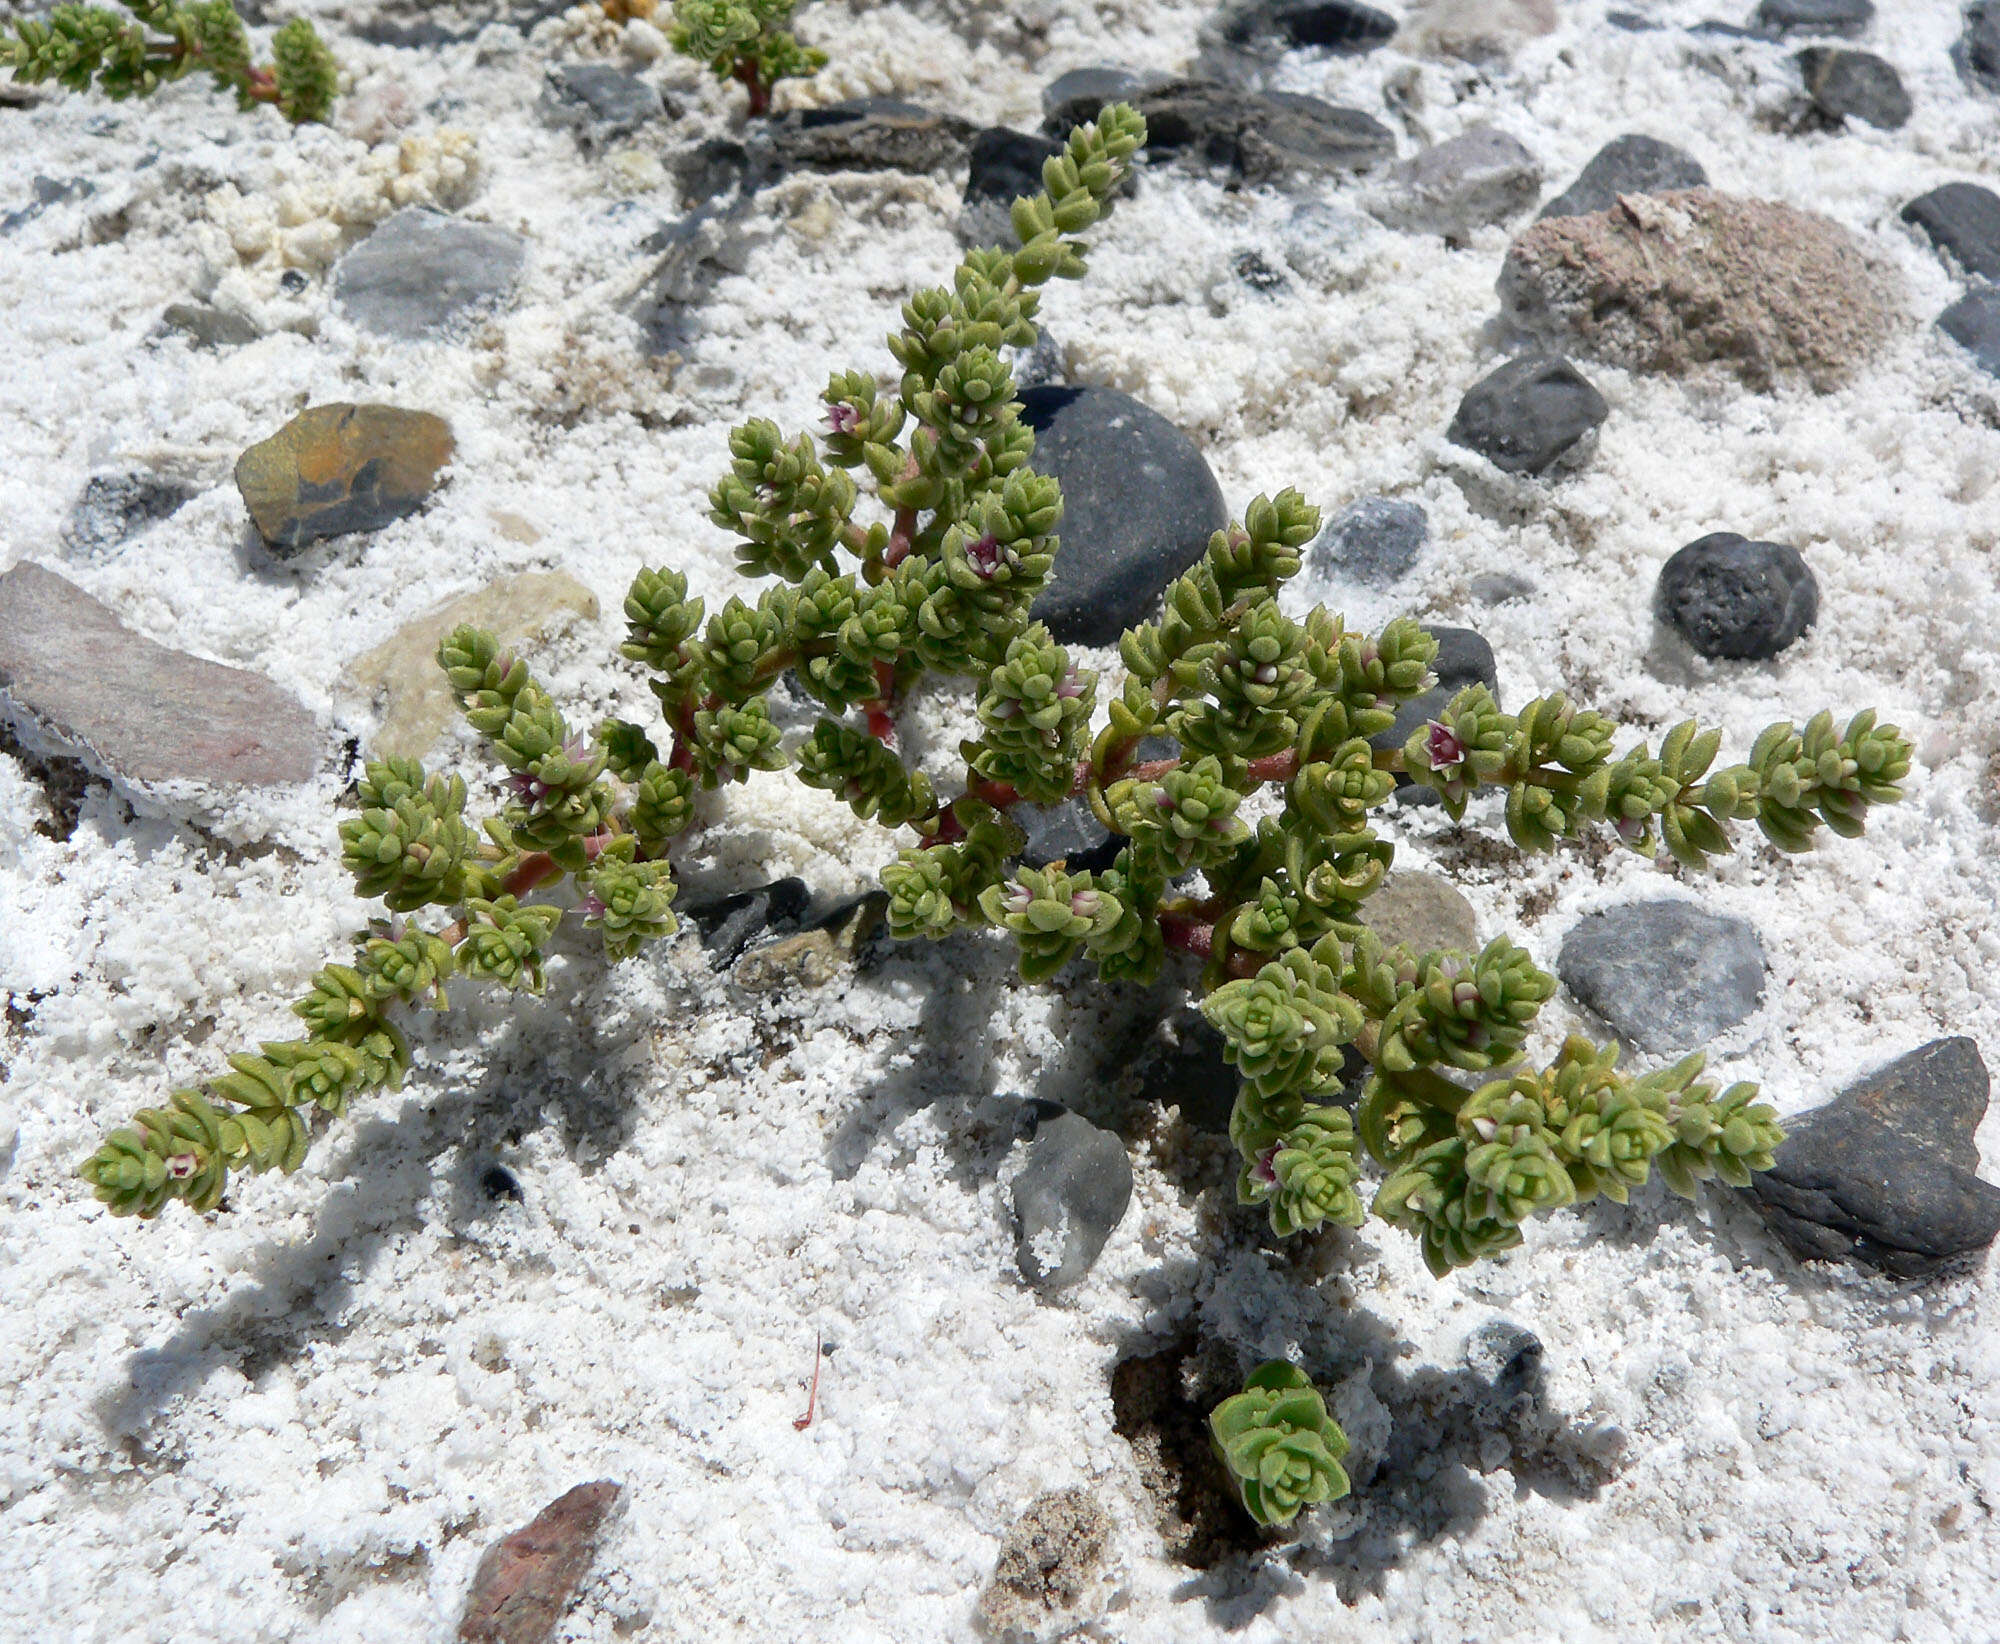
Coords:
pixel 1884 1174
pixel 1256 136
pixel 1666 975
pixel 116 507
pixel 1482 176
pixel 1846 18
pixel 1069 831
pixel 1069 1197
pixel 1080 95
pixel 74 680
pixel 1736 599
pixel 1004 166
pixel 1963 221
pixel 598 102
pixel 1342 26
pixel 867 134
pixel 1973 322
pixel 1190 1074
pixel 1633 164
pixel 1976 52
pixel 334 469
pixel 1139 505
pixel 421 270
pixel 1854 85
pixel 527 1580
pixel 1463 658
pixel 729 924
pixel 47 191
pixel 1533 414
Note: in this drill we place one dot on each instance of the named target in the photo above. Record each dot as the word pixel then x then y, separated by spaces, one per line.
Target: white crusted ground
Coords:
pixel 305 1418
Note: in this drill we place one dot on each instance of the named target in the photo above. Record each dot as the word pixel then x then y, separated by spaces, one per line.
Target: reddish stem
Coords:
pixel 902 538
pixel 1195 936
pixel 801 1423
pixel 760 94
pixel 881 724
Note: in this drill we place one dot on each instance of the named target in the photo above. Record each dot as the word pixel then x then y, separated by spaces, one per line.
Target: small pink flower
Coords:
pixel 1443 747
pixel 1265 1169
pixel 181 1166
pixel 1631 829
pixel 842 419
pixel 1070 688
pixel 1085 903
pixel 592 905
pixel 986 556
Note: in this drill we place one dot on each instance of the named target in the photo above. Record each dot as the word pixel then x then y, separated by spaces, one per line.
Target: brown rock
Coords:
pixel 76 680
pixel 1478 31
pixel 1664 282
pixel 340 468
pixel 1421 911
pixel 402 671
pixel 526 1580
pixel 1049 1565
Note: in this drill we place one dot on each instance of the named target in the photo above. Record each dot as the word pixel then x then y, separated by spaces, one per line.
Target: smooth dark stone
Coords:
pixel 1973 322
pixel 1503 1354
pixel 1976 52
pixel 1463 658
pixel 1139 505
pixel 1191 1075
pixel 1257 136
pixel 1632 164
pixel 729 924
pixel 1854 85
pixel 497 1182
pixel 1373 541
pixel 116 507
pixel 209 327
pixel 1531 415
pixel 1884 1175
pixel 1963 221
pixel 1631 22
pixel 1078 97
pixel 1071 1195
pixel 1004 166
pixel 598 102
pixel 1846 18
pixel 1666 975
pixel 1736 599
pixel 1069 832
pixel 420 271
pixel 75 681
pixel 1341 26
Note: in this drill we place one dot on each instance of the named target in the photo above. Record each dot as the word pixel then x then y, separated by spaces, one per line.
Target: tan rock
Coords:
pixel 1421 911
pixel 340 468
pixel 1667 282
pixel 526 1581
pixel 1478 31
pixel 402 672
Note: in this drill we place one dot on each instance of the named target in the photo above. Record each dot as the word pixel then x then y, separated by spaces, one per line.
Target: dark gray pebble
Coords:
pixel 1139 505
pixel 1481 176
pixel 1736 599
pixel 1854 85
pixel 729 924
pixel 1963 221
pixel 116 507
pixel 1342 26
pixel 1666 975
pixel 1004 166
pixel 421 271
pixel 1069 1197
pixel 598 102
pixel 1373 541
pixel 1973 322
pixel 1884 1174
pixel 1258 136
pixel 1533 414
pixel 1077 97
pixel 1632 164
pixel 1845 18
pixel 1977 51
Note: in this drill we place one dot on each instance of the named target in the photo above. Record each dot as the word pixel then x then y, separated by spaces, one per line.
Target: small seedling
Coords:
pixel 744 40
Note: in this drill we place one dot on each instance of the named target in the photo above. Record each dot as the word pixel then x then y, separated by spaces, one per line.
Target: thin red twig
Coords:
pixel 801 1423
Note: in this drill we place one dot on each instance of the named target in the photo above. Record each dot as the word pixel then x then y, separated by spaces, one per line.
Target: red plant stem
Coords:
pixel 881 723
pixel 801 1423
pixel 760 94
pixel 1190 935
pixel 902 538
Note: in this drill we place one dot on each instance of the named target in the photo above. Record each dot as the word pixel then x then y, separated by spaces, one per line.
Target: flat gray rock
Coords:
pixel 1139 505
pixel 1963 221
pixel 598 102
pixel 75 680
pixel 422 270
pixel 1633 164
pixel 1257 136
pixel 1068 1198
pixel 1481 177
pixel 1884 1174
pixel 1666 975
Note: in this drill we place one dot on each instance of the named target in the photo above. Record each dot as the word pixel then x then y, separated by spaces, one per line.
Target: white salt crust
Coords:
pixel 305 1418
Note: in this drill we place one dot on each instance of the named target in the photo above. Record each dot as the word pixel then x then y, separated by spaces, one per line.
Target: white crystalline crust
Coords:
pixel 305 1418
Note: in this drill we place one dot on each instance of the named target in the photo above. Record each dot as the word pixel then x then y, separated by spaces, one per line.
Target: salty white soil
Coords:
pixel 305 1417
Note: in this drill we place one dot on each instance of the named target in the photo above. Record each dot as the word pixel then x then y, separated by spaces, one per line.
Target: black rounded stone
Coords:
pixel 1973 322
pixel 1855 85
pixel 1633 164
pixel 1139 505
pixel 1080 95
pixel 1737 600
pixel 1530 415
pixel 1962 220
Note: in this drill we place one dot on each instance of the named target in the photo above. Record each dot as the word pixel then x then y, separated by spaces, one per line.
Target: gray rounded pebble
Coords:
pixel 1855 85
pixel 1973 322
pixel 1666 975
pixel 1977 51
pixel 1633 164
pixel 1080 95
pixel 1479 177
pixel 1963 221
pixel 1734 599
pixel 1531 415
pixel 1374 541
pixel 1846 18
pixel 1068 1198
pixel 598 102
pixel 1139 505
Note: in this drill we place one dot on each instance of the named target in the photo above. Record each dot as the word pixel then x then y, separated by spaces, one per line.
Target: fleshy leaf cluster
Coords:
pixel 1279 1444
pixel 743 40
